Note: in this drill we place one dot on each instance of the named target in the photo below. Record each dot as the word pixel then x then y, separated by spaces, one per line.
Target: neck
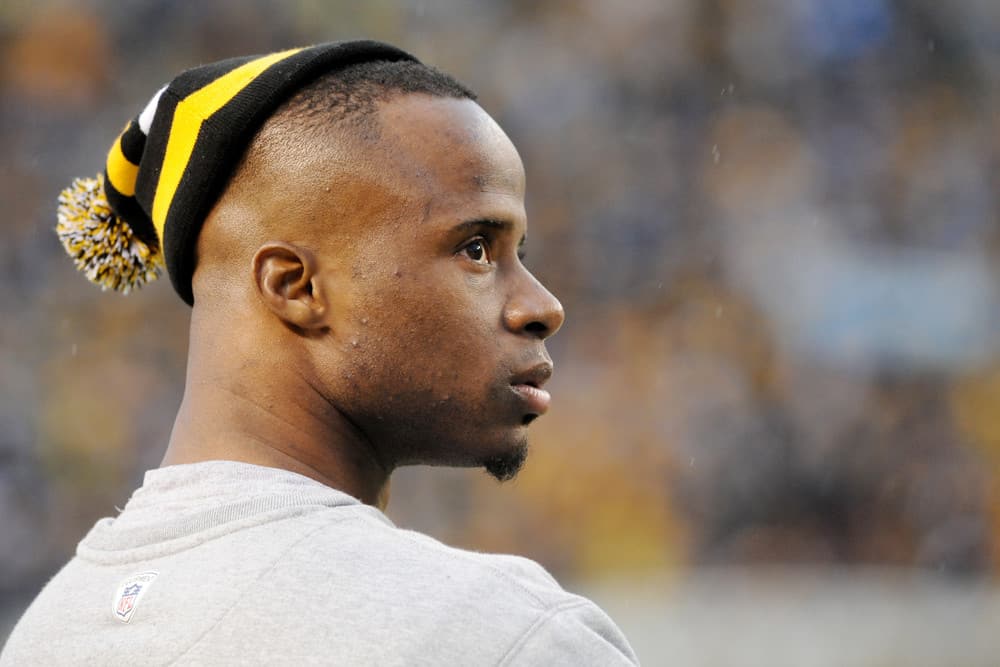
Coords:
pixel 253 420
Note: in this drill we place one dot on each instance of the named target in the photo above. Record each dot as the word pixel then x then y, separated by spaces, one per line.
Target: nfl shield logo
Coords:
pixel 129 593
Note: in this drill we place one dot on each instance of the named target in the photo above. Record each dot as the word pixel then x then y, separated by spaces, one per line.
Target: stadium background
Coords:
pixel 776 427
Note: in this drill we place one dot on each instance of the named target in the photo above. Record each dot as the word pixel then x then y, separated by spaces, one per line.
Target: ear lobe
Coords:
pixel 285 274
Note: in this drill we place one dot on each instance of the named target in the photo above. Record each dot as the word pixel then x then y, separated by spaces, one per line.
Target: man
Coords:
pixel 347 224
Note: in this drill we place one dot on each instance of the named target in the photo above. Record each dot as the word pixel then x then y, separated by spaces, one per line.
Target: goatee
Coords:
pixel 504 467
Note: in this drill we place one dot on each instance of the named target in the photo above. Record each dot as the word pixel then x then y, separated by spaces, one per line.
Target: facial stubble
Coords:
pixel 504 467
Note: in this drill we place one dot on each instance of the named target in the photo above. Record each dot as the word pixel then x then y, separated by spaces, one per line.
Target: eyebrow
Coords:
pixel 492 223
pixel 483 222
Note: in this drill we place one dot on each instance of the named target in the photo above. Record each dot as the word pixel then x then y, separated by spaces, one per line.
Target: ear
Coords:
pixel 286 282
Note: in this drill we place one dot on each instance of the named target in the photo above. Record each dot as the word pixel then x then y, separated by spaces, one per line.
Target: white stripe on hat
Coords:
pixel 146 117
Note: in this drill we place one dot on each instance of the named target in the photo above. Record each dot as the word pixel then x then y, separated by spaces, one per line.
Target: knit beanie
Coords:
pixel 165 171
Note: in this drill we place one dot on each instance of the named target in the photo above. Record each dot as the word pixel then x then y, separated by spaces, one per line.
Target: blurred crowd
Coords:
pixel 774 227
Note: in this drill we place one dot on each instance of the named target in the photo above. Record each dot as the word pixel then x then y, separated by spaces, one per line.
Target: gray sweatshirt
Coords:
pixel 231 563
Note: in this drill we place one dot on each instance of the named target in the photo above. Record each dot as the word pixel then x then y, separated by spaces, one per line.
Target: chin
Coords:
pixel 500 451
pixel 505 465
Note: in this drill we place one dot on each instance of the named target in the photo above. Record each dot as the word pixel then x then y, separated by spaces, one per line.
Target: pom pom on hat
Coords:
pixel 101 244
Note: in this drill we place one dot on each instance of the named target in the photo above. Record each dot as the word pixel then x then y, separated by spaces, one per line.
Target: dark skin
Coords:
pixel 361 304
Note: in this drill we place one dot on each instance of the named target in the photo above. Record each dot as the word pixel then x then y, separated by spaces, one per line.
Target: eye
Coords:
pixel 478 251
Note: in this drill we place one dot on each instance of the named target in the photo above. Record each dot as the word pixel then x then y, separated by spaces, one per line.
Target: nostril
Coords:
pixel 536 327
pixel 528 419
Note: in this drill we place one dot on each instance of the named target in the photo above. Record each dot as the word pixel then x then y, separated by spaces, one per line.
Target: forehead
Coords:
pixel 450 142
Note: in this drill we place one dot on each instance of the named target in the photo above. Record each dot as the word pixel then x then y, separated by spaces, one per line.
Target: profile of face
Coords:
pixel 435 344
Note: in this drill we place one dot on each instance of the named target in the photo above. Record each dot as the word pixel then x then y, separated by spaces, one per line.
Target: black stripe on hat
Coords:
pixel 195 79
pixel 132 142
pixel 156 148
pixel 129 210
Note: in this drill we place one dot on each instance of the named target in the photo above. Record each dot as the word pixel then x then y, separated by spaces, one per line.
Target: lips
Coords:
pixel 528 387
pixel 536 400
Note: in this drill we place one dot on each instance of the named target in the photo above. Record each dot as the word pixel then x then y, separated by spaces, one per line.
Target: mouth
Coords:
pixel 528 387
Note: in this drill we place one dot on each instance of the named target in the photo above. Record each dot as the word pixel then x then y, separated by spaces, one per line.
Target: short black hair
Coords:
pixel 351 95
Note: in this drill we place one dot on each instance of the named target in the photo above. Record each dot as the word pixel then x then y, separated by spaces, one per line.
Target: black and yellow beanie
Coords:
pixel 172 161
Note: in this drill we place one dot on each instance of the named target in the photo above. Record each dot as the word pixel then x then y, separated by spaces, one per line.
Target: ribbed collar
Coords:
pixel 180 506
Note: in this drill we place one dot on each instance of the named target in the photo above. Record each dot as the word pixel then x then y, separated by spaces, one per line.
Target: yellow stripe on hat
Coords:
pixel 121 172
pixel 189 115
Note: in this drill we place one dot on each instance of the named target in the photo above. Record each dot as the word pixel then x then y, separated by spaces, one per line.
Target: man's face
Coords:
pixel 437 342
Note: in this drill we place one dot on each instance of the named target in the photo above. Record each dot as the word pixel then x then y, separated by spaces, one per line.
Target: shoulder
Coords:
pixel 380 580
pixel 369 542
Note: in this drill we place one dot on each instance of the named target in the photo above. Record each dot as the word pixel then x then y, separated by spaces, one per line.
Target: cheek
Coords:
pixel 437 340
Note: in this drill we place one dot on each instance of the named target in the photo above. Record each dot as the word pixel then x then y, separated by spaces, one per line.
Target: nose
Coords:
pixel 533 310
